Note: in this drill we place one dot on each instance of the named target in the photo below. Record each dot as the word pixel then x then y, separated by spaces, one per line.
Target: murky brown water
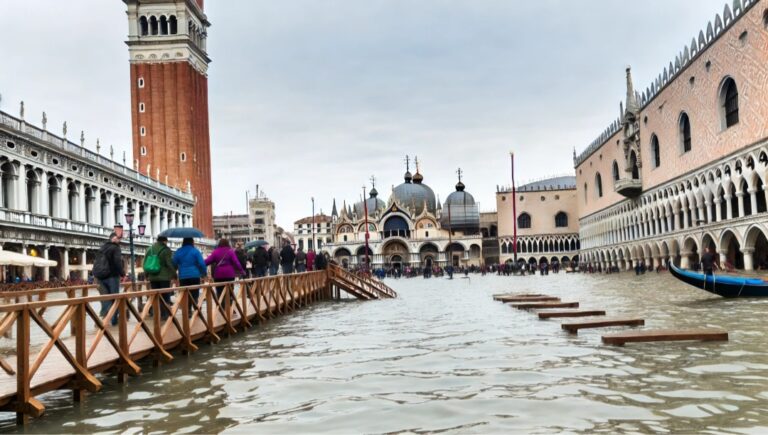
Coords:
pixel 446 357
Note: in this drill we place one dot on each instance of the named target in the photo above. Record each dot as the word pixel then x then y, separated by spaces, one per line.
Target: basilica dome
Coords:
pixel 460 210
pixel 414 194
pixel 374 204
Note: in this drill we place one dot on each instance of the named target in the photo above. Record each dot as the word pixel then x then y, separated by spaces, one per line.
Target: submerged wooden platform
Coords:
pixel 573 327
pixel 571 313
pixel 517 295
pixel 544 305
pixel 529 299
pixel 666 335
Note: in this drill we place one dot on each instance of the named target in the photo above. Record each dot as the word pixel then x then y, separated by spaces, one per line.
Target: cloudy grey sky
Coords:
pixel 311 98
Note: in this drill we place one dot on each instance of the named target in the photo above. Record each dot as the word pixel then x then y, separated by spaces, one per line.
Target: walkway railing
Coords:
pixel 61 341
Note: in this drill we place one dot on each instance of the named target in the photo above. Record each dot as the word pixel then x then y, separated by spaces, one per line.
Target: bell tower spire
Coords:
pixel 167 47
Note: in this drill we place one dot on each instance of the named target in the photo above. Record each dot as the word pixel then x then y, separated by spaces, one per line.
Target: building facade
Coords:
pixel 547 222
pixel 60 201
pixel 303 235
pixel 683 167
pixel 167 42
pixel 236 228
pixel 411 229
pixel 261 212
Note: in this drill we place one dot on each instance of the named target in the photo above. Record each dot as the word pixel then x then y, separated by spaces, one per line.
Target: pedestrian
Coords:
pixel 708 261
pixel 226 266
pixel 311 260
pixel 108 269
pixel 321 261
pixel 160 270
pixel 260 262
pixel 287 257
pixel 274 261
pixel 191 266
pixel 242 257
pixel 301 260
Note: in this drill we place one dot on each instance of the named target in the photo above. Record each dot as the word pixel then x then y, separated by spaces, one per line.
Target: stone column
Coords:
pixel 81 199
pixel 708 206
pixel 65 263
pixel 740 196
pixel 753 200
pixel 701 216
pixel 686 212
pixel 718 209
pixel 83 264
pixel 42 198
pixel 749 263
pixel 96 206
pixel 685 261
pixel 20 202
pixel 46 269
pixel 656 262
pixel 678 224
pixel 728 209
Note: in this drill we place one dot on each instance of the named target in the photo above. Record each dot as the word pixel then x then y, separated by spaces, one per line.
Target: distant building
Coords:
pixel 547 222
pixel 489 229
pixel 261 212
pixel 235 227
pixel 302 232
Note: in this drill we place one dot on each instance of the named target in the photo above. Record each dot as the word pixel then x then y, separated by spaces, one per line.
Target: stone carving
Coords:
pixel 21 110
pixel 64 129
pixel 82 138
pixel 111 152
pixel 98 146
pixel 45 122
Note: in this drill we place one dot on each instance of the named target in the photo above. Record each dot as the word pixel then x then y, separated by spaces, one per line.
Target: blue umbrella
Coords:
pixel 255 244
pixel 182 233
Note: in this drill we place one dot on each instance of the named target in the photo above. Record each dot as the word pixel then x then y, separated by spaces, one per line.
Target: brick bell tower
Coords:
pixel 169 97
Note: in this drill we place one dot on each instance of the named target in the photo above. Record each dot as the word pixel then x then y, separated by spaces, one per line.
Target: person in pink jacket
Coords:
pixel 226 266
pixel 310 260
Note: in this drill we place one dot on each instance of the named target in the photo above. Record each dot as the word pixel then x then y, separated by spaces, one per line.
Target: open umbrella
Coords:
pixel 255 244
pixel 182 233
pixel 9 258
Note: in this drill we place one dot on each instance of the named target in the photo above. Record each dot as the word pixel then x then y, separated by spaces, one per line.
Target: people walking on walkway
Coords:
pixel 108 269
pixel 311 260
pixel 242 256
pixel 226 266
pixel 274 260
pixel 301 260
pixel 260 261
pixel 160 270
pixel 191 268
pixel 321 261
pixel 287 257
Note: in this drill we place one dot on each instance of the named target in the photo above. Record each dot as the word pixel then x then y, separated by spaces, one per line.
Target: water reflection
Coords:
pixel 446 357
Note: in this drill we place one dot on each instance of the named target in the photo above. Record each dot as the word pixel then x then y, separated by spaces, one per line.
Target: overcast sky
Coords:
pixel 311 98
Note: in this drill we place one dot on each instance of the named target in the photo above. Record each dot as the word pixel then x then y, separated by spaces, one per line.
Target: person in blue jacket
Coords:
pixel 191 268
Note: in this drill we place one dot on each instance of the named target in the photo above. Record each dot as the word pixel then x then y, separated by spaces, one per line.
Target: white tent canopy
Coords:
pixel 9 258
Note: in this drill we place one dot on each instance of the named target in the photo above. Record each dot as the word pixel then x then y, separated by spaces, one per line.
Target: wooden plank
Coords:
pixel 545 305
pixel 666 335
pixel 573 327
pixel 570 313
pixel 529 299
pixel 517 295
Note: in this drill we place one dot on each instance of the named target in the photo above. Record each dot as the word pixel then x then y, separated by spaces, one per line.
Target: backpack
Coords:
pixel 152 262
pixel 101 269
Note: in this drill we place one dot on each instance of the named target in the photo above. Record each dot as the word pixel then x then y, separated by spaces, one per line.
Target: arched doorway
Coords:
pixel 428 254
pixel 395 254
pixel 455 252
pixel 733 255
pixel 756 240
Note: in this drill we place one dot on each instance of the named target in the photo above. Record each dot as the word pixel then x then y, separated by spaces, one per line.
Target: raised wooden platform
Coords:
pixel 570 313
pixel 573 327
pixel 529 299
pixel 544 305
pixel 666 335
pixel 517 295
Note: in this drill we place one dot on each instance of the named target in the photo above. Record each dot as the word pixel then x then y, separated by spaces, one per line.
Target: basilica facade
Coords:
pixel 684 166
pixel 411 229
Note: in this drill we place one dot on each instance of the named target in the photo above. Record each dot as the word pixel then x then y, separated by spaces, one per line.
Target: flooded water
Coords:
pixel 445 357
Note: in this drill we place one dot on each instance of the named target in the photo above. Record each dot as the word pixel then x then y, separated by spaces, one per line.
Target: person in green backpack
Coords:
pixel 160 270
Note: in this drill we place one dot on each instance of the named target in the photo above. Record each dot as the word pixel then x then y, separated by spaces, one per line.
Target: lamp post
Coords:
pixel 314 245
pixel 119 230
pixel 367 234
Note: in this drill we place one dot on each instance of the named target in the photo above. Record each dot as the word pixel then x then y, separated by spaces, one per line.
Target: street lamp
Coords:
pixel 119 230
pixel 314 245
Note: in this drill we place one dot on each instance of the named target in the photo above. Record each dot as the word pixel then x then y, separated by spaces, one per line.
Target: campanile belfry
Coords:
pixel 169 97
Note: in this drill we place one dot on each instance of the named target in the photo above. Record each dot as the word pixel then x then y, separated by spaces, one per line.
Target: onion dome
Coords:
pixel 418 178
pixel 374 204
pixel 462 209
pixel 415 195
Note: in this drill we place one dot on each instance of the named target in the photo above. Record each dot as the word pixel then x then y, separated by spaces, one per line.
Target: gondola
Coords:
pixel 726 286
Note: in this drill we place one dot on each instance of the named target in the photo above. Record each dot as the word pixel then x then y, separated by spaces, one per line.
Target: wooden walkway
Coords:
pixel 573 327
pixel 620 338
pixel 543 305
pixel 80 344
pixel 570 313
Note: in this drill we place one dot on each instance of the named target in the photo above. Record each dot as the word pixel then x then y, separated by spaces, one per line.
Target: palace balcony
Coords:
pixel 629 187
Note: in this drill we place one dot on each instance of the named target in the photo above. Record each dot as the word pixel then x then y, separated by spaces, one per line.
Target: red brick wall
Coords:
pixel 175 96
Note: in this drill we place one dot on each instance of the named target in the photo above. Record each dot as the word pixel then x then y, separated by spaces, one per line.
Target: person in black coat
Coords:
pixel 260 262
pixel 287 257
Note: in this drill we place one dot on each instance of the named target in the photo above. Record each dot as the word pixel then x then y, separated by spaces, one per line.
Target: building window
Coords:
pixel 524 221
pixel 615 171
pixel 143 131
pixel 729 102
pixel 143 26
pixel 599 185
pixel 143 151
pixel 173 24
pixel 345 238
pixel 561 220
pixel 585 193
pixel 655 150
pixel 141 107
pixel 183 157
pixel 141 82
pixel 426 233
pixel 685 132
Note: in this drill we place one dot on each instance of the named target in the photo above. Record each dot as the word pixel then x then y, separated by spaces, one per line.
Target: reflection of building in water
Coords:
pixel 547 229
pixel 411 229
pixel 685 164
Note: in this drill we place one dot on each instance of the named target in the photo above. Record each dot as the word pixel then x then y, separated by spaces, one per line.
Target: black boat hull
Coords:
pixel 721 285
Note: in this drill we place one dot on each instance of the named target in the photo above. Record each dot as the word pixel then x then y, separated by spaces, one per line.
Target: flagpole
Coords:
pixel 367 235
pixel 514 207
